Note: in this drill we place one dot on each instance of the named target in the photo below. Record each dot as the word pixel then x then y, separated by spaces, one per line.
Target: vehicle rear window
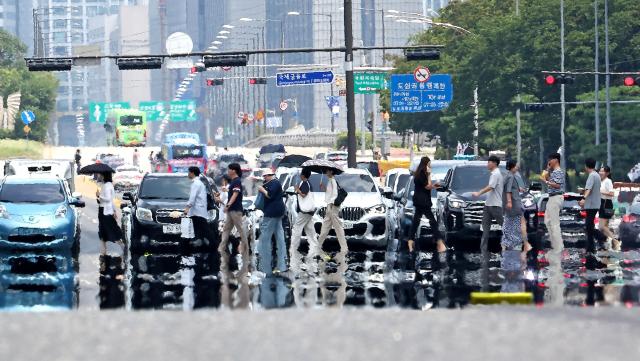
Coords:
pixel 188 151
pixel 165 188
pixel 348 182
pixel 391 180
pixel 403 179
pixel 32 193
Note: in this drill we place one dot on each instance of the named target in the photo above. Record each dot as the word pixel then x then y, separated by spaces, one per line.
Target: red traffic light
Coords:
pixel 257 81
pixel 550 79
pixel 253 81
pixel 629 81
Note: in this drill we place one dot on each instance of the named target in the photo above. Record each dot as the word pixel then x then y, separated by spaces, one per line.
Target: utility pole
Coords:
pixel 348 68
pixel 518 122
pixel 608 80
pixel 596 76
pixel 476 119
pixel 562 99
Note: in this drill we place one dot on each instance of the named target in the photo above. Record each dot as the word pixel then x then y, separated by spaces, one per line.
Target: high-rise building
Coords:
pixel 16 17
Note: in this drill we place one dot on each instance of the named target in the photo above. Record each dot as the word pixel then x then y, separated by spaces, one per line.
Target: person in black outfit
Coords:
pixel 77 159
pixel 422 205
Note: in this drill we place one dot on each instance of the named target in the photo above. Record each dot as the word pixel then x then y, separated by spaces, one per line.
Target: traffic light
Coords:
pixel 139 63
pixel 53 64
pixel 559 79
pixel 534 107
pixel 215 82
pixel 211 61
pixel 422 54
pixel 631 81
pixel 257 81
pixel 198 68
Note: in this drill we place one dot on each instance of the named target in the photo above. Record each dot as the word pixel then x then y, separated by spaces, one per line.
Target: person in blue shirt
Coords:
pixel 272 225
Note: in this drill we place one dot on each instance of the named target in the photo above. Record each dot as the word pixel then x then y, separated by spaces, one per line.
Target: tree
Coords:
pixel 38 89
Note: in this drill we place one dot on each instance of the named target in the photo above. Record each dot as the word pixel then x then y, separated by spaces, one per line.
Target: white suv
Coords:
pixel 365 212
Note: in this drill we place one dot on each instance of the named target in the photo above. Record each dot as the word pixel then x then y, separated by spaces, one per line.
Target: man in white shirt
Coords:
pixel 304 221
pixel 197 207
pixel 332 215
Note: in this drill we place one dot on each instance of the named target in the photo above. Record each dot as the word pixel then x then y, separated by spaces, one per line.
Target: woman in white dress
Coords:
pixel 606 206
pixel 108 229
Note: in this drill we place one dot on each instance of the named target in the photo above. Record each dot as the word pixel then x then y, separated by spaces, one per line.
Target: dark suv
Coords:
pixel 147 222
pixel 460 214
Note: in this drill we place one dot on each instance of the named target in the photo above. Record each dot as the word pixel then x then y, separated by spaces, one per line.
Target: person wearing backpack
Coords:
pixel 304 221
pixel 332 214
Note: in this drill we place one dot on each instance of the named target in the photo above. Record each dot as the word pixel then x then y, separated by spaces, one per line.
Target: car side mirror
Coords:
pixel 387 192
pixel 291 191
pixel 535 186
pixel 127 196
pixel 77 203
pixel 442 188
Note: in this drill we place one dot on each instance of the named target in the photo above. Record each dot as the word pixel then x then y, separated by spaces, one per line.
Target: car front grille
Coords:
pixel 473 212
pixel 346 213
pixel 30 238
pixel 162 216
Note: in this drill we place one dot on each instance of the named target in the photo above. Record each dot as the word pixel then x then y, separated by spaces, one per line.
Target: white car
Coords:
pixel 127 178
pixel 365 214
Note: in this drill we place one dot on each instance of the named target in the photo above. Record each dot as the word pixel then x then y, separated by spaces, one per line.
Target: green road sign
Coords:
pixel 183 110
pixel 98 112
pixel 155 110
pixel 369 83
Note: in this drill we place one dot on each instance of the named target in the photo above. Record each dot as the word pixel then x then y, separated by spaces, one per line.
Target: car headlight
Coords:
pixel 61 212
pixel 457 203
pixel 379 209
pixel 144 214
pixel 527 202
pixel 3 212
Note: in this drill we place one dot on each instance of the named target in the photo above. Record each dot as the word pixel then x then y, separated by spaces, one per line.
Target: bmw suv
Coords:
pixel 146 219
pixel 459 214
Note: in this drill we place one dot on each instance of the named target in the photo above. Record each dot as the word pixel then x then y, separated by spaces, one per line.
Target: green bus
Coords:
pixel 130 127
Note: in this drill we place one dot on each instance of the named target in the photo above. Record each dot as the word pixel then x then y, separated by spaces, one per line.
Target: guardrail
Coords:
pixel 320 139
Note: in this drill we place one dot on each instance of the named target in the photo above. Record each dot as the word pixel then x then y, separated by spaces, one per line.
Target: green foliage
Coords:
pixel 341 140
pixel 10 148
pixel 504 57
pixel 38 89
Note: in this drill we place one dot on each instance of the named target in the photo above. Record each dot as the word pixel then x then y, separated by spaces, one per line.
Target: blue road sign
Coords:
pixel 410 96
pixel 309 78
pixel 27 117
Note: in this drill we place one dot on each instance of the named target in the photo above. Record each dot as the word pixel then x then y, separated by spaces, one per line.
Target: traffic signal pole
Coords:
pixel 348 69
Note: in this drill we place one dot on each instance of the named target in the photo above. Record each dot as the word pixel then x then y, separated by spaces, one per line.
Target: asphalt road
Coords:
pixel 473 334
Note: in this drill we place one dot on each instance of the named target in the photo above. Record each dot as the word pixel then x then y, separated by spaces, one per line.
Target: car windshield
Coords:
pixel 336 156
pixel 32 193
pixel 187 151
pixel 439 173
pixel 165 188
pixel 131 120
pixel 348 182
pixel 403 179
pixel 469 179
pixel 391 179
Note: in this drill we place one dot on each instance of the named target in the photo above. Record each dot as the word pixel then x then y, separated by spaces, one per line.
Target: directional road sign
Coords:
pixel 183 110
pixel 411 96
pixel 155 110
pixel 309 78
pixel 368 83
pixel 27 117
pixel 98 112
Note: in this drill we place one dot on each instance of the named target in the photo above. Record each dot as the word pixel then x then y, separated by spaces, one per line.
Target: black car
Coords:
pixel 629 230
pixel 572 217
pixel 147 222
pixel 459 214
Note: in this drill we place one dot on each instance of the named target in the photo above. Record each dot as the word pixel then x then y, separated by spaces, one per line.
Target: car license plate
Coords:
pixel 494 227
pixel 171 229
pixel 566 218
pixel 347 225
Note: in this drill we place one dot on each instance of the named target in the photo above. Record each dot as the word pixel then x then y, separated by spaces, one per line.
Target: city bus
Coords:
pixel 130 127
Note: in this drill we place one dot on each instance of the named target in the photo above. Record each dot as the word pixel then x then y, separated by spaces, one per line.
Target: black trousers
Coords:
pixel 592 233
pixel 202 230
pixel 417 217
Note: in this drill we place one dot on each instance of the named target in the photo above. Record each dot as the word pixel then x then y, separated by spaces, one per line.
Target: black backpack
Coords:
pixel 342 194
